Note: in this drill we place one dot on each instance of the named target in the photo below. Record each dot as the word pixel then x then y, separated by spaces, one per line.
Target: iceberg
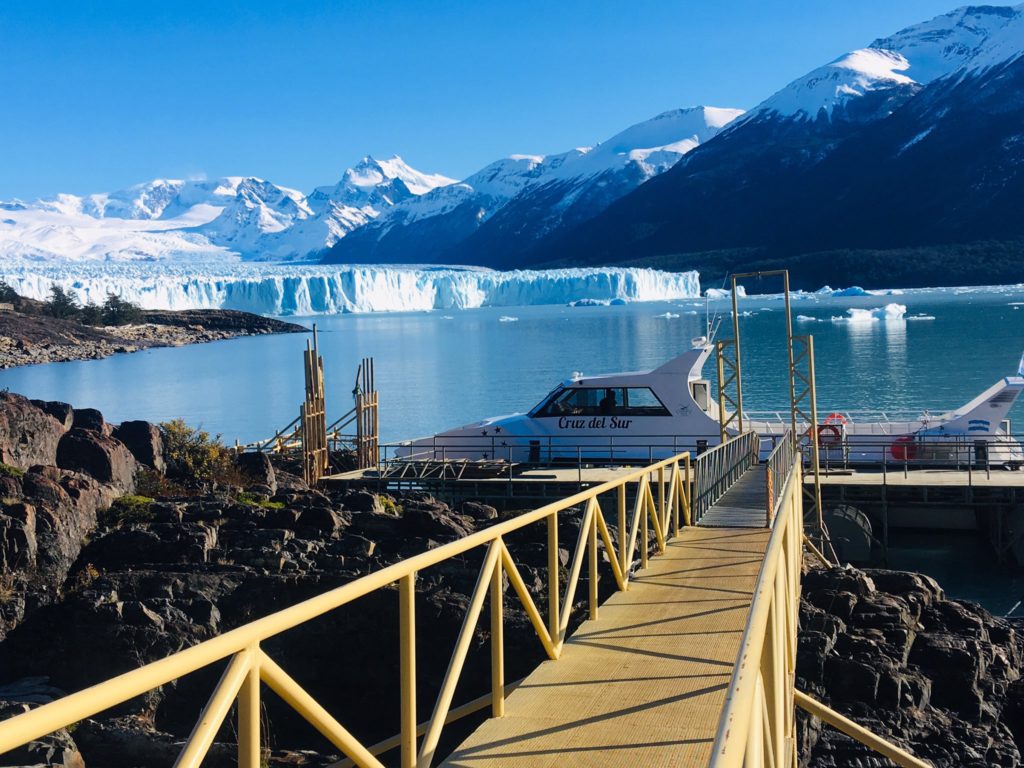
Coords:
pixel 314 289
pixel 855 316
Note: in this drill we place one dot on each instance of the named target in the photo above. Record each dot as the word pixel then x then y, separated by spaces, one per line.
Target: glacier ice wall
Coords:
pixel 280 289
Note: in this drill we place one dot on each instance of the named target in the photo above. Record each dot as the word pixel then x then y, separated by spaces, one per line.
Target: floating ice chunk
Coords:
pixel 853 290
pixel 857 316
pixel 806 319
pixel 508 319
pixel 668 315
pixel 721 293
pixel 920 317
pixel 447 317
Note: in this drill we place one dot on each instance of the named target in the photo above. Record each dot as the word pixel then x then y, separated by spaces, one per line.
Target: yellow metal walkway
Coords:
pixel 644 685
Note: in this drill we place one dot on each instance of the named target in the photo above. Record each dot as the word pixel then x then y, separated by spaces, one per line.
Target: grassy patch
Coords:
pixel 390 506
pixel 127 510
pixel 252 500
pixel 6 470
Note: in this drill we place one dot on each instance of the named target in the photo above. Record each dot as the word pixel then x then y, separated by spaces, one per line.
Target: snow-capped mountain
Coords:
pixel 231 217
pixel 913 141
pixel 501 209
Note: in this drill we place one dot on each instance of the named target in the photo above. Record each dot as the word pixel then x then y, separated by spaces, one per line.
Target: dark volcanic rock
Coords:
pixel 144 441
pixel 62 412
pixel 259 471
pixel 939 677
pixel 98 455
pixel 89 418
pixel 28 434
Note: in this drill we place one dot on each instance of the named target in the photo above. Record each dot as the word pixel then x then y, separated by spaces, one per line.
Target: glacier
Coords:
pixel 292 289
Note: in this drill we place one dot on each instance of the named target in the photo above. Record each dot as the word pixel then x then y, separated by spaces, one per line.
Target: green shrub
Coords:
pixel 194 457
pixel 390 506
pixel 7 293
pixel 127 510
pixel 271 504
pixel 6 470
pixel 149 482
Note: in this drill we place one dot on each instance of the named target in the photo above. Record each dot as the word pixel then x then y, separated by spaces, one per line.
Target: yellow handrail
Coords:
pixel 665 511
pixel 899 756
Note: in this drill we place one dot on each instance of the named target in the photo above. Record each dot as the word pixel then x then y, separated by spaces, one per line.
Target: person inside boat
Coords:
pixel 608 403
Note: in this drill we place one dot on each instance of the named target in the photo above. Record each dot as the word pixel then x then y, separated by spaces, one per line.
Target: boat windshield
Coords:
pixel 602 401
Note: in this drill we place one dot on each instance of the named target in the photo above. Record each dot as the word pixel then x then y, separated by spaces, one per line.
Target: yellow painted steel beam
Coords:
pixel 298 699
pixel 216 709
pixel 249 747
pixel 451 677
pixel 407 665
pixel 469 708
pixel 858 732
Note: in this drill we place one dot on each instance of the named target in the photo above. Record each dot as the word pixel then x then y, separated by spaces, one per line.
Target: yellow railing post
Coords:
pixel 623 535
pixel 553 585
pixel 592 573
pixel 661 499
pixel 249 750
pixel 407 665
pixel 497 642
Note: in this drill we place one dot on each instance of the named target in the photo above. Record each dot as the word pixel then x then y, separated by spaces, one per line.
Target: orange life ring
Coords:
pixel 835 418
pixel 904 448
pixel 829 434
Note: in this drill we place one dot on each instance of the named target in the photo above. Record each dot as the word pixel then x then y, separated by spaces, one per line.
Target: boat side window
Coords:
pixel 603 401
pixel 641 401
pixel 577 401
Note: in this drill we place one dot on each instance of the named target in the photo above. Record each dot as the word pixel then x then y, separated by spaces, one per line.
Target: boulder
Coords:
pixel 62 412
pixel 89 418
pixel 481 513
pixel 258 471
pixel 18 544
pixel 431 518
pixel 99 456
pixel 144 441
pixel 28 435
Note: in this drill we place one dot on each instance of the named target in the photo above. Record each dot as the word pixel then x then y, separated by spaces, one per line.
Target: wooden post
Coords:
pixel 313 415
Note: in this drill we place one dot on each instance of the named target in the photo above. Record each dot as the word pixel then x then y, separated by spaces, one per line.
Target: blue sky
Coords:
pixel 97 96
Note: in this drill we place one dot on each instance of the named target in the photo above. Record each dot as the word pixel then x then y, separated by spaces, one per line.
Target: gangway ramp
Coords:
pixel 645 684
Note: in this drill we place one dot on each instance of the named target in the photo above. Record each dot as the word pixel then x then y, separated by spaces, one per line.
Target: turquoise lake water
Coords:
pixel 441 369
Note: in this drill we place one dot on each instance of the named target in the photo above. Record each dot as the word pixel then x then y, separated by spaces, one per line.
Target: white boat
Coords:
pixel 623 417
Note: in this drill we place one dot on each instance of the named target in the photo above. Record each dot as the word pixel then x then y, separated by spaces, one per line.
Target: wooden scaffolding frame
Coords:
pixel 366 416
pixel 313 415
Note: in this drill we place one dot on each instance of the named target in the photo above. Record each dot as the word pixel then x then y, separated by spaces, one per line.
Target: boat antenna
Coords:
pixel 712 322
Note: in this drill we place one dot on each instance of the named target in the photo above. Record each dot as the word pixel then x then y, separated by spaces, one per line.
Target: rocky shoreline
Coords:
pixel 120 544
pixel 31 339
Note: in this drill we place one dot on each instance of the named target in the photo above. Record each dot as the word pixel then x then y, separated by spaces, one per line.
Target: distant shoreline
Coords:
pixel 34 339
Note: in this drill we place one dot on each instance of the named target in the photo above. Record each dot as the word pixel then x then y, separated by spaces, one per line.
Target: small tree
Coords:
pixel 61 303
pixel 117 311
pixel 91 314
pixel 8 294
